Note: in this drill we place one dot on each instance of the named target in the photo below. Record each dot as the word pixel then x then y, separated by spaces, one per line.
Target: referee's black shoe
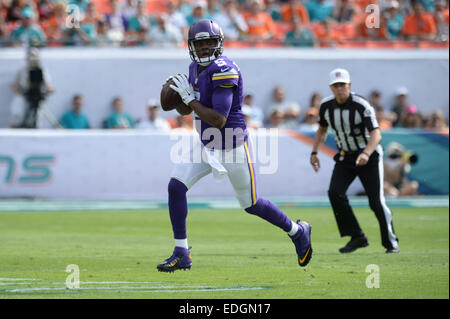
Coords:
pixel 354 244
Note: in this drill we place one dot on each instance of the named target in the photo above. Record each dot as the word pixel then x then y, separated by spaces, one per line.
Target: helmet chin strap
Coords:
pixel 204 61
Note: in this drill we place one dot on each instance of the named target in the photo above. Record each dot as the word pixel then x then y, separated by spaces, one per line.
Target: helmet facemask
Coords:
pixel 214 51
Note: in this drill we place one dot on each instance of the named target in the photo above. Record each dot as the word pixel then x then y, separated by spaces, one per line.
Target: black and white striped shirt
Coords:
pixel 350 122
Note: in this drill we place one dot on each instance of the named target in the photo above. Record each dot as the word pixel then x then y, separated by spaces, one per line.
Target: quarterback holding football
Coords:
pixel 213 90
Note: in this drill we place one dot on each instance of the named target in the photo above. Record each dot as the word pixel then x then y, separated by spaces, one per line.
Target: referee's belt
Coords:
pixel 343 153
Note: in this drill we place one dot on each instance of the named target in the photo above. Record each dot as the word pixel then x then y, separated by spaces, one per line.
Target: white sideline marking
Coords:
pixel 20 279
pixel 110 289
pixel 132 289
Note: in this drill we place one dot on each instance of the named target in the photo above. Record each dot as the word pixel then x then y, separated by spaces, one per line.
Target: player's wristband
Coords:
pixel 188 99
pixel 313 153
pixel 365 153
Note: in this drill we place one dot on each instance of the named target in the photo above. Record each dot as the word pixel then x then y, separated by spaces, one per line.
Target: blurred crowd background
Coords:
pixel 246 23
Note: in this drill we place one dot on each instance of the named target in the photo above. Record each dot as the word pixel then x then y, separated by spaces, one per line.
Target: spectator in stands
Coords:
pixel 55 27
pixel 401 102
pixel 256 118
pixel 428 5
pixel 319 10
pixel 82 6
pixel 362 4
pixel 165 34
pixel 396 166
pixel 84 32
pixel 231 21
pixel 103 36
pixel 153 121
pixel 139 25
pixel 199 11
pixel 375 99
pixel 393 19
pixel 316 99
pixel 311 121
pixel 119 119
pixel 294 12
pixel 90 22
pixel 247 111
pixel 185 7
pixel 45 9
pixel 117 22
pixel 288 109
pixel 440 16
pixel 184 122
pixel 383 119
pixel 3 27
pixel 129 8
pixel 28 32
pixel 300 36
pixel 419 25
pixel 176 18
pixel 344 11
pixel 213 7
pixel 366 29
pixel 274 10
pixel 260 23
pixel 276 119
pixel 328 31
pixel 411 118
pixel 14 12
pixel 74 118
pixel 437 122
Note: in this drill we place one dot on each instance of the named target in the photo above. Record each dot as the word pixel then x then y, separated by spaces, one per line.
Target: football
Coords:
pixel 169 98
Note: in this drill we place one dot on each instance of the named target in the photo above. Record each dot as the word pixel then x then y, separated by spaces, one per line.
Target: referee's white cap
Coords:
pixel 339 76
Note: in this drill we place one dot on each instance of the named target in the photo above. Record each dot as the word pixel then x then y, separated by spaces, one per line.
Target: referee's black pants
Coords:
pixel 371 175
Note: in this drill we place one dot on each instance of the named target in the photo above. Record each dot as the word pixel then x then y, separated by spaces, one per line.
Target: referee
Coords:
pixel 357 136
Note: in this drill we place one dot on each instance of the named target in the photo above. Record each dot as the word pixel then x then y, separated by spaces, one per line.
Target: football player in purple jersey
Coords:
pixel 214 91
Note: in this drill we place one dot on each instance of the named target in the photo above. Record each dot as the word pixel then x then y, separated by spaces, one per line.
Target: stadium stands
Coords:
pixel 348 26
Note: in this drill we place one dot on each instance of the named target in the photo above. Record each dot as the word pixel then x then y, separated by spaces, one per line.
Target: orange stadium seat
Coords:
pixel 275 44
pixel 153 6
pixel 281 28
pixel 403 45
pixel 432 45
pixel 156 6
pixel 236 44
pixel 378 45
pixel 102 6
pixel 348 30
pixel 353 45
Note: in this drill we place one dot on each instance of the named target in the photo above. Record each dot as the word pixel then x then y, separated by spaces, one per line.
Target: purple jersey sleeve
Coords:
pixel 222 99
pixel 224 73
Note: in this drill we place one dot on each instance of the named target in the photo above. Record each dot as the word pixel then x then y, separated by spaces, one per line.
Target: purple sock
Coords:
pixel 178 208
pixel 268 211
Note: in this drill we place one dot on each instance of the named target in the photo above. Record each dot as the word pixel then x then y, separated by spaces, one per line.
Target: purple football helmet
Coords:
pixel 203 30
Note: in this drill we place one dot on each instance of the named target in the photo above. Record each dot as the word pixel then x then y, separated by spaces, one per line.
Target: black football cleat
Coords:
pixel 180 259
pixel 354 244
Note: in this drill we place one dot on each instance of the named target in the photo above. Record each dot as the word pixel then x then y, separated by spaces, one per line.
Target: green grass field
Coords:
pixel 235 255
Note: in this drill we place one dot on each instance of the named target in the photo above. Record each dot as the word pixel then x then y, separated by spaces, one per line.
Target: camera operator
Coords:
pixel 396 166
pixel 33 85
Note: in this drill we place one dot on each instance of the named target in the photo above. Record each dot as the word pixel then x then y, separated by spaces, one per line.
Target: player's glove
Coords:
pixel 183 87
